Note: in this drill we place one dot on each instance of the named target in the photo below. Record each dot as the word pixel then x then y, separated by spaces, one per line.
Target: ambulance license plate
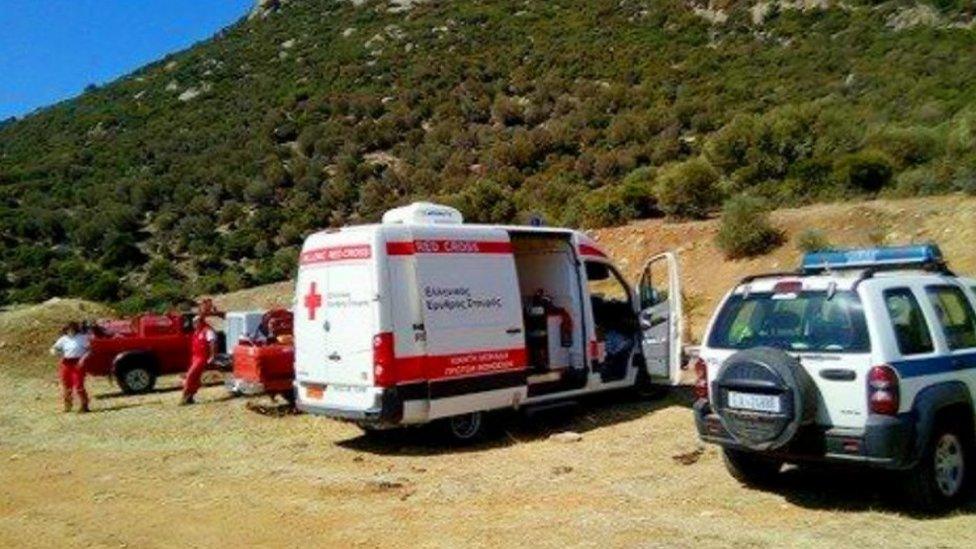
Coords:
pixel 315 391
pixel 758 403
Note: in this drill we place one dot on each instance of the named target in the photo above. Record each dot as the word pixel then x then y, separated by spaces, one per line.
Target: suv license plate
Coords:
pixel 760 403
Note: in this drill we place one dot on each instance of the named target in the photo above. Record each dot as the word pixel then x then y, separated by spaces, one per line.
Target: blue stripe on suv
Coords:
pixel 915 367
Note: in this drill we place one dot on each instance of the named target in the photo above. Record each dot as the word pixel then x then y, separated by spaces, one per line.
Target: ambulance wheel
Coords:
pixel 465 428
pixel 751 469
pixel 135 379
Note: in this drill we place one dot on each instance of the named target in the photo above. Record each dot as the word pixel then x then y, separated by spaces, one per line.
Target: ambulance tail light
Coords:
pixel 383 364
pixel 883 392
pixel 701 379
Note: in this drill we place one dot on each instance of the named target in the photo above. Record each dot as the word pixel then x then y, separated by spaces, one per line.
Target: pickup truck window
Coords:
pixel 955 314
pixel 804 322
pixel 908 322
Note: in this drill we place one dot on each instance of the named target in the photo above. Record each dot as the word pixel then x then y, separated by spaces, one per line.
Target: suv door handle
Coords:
pixel 513 331
pixel 334 357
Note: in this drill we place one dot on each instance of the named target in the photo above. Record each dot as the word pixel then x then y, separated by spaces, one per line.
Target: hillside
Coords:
pixel 706 276
pixel 201 173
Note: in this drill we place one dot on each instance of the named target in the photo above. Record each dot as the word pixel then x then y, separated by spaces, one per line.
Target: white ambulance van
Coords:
pixel 424 318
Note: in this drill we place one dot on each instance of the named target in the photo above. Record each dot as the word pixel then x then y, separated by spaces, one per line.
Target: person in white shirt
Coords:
pixel 71 347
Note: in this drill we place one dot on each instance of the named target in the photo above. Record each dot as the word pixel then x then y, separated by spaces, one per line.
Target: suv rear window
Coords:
pixel 804 322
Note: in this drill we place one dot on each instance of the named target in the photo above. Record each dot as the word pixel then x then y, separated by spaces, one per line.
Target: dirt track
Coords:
pixel 141 471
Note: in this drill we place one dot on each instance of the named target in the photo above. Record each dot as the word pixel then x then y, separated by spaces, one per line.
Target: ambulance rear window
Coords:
pixel 802 322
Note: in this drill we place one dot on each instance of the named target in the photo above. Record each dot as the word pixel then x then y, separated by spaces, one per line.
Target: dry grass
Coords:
pixel 143 472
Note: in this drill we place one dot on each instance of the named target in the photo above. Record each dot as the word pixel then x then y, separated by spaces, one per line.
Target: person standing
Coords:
pixel 203 348
pixel 71 347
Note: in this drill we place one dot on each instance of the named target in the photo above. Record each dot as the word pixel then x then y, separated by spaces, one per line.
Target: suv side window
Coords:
pixel 955 314
pixel 908 321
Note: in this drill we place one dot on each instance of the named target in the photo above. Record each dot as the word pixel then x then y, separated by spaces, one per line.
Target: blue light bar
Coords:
pixel 908 256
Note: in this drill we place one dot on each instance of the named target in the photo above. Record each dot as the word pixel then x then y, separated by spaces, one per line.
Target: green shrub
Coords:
pixel 603 207
pixel 812 240
pixel 867 170
pixel 637 190
pixel 688 189
pixel 745 229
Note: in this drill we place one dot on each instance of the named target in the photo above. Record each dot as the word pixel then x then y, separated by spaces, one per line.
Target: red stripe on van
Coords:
pixel 336 253
pixel 586 249
pixel 448 247
pixel 435 367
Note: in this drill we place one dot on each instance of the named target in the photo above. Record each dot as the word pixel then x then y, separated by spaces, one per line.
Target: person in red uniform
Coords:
pixel 71 347
pixel 203 348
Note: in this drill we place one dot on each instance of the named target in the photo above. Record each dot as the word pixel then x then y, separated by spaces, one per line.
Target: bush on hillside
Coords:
pixel 603 207
pixel 688 190
pixel 812 240
pixel 745 229
pixel 865 171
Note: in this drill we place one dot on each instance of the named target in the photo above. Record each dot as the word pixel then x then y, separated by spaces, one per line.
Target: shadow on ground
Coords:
pixel 847 489
pixel 508 428
pixel 156 391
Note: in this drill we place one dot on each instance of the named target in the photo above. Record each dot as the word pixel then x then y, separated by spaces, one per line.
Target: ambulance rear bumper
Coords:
pixel 387 411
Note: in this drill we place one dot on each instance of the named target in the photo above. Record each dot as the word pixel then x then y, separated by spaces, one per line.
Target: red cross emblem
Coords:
pixel 313 300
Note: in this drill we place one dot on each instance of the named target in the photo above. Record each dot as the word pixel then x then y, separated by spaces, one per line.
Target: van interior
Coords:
pixel 552 305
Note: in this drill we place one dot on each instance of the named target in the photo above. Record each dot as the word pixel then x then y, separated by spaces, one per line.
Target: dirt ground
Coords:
pixel 141 471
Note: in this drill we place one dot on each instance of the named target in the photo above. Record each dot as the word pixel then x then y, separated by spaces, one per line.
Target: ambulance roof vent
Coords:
pixel 424 213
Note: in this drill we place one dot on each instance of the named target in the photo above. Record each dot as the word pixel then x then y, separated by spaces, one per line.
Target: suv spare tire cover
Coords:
pixel 771 372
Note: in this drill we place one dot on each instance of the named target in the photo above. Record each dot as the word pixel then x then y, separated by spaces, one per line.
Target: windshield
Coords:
pixel 803 322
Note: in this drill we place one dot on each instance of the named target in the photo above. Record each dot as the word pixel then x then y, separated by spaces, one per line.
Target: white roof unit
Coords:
pixel 424 213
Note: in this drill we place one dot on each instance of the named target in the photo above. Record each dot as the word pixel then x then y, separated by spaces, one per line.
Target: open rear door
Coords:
pixel 661 318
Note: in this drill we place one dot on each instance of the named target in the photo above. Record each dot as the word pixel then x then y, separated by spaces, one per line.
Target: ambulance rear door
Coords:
pixel 336 317
pixel 472 314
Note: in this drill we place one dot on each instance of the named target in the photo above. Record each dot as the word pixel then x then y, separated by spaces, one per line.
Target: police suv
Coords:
pixel 862 356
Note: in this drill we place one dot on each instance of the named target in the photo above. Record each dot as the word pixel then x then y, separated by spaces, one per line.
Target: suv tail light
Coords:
pixel 701 379
pixel 883 393
pixel 383 366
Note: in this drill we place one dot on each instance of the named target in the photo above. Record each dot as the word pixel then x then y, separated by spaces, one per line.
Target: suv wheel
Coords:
pixel 940 479
pixel 135 379
pixel 751 469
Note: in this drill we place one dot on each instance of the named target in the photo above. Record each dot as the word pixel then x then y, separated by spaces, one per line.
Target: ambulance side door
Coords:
pixel 661 318
pixel 472 311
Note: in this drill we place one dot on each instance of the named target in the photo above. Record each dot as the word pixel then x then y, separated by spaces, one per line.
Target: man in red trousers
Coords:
pixel 203 348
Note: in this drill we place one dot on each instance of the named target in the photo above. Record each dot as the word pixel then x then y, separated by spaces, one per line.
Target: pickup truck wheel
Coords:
pixel 135 379
pixel 941 479
pixel 751 469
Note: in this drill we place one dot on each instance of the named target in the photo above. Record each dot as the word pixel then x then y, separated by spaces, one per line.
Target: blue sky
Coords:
pixel 51 49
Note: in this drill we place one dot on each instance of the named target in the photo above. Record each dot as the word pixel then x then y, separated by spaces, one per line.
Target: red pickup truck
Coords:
pixel 136 352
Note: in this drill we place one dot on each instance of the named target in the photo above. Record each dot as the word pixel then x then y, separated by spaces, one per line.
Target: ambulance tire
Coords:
pixel 465 428
pixel 135 376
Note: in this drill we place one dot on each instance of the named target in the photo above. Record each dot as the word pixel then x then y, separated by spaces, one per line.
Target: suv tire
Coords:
pixel 751 469
pixel 764 371
pixel 941 479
